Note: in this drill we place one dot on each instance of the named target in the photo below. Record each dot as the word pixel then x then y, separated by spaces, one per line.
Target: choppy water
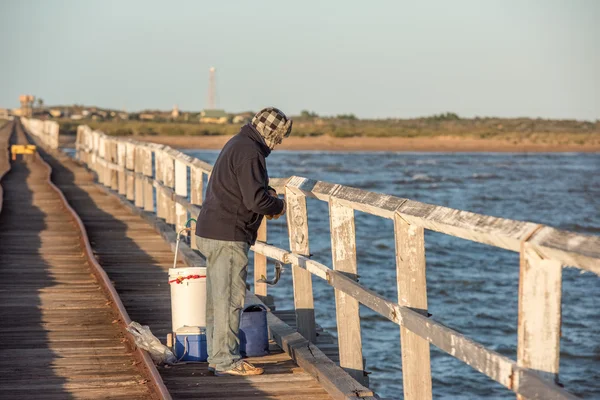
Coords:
pixel 471 287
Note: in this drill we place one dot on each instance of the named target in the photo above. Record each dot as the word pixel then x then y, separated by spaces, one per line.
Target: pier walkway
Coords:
pixel 57 336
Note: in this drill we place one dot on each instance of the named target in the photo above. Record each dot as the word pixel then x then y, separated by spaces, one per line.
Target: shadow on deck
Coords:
pixel 27 358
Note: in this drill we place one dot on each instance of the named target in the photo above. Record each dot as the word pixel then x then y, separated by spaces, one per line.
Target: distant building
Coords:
pixel 175 112
pixel 146 116
pixel 123 115
pixel 56 113
pixel 243 118
pixel 214 116
pixel 3 113
pixel 76 116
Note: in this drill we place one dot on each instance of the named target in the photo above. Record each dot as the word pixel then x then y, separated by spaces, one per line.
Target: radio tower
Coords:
pixel 212 89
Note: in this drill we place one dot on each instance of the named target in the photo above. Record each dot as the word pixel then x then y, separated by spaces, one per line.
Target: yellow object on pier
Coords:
pixel 21 149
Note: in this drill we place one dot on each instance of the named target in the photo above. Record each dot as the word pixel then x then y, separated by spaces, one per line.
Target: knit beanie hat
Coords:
pixel 272 124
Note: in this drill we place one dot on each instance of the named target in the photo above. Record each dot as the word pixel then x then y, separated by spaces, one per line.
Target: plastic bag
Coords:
pixel 144 339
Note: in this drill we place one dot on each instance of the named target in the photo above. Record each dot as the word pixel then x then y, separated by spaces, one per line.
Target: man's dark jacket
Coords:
pixel 237 194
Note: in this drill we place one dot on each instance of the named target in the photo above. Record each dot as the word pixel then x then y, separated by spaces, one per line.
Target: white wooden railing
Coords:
pixel 126 166
pixel 46 131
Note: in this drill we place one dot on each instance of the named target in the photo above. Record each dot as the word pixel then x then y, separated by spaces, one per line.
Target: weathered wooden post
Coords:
pixel 114 157
pixel 197 183
pixel 412 292
pixel 160 173
pixel 148 188
pixel 540 292
pixel 121 156
pixel 181 189
pixel 139 182
pixel 343 251
pixel 99 158
pixel 197 186
pixel 94 154
pixel 78 142
pixel 105 158
pixel 260 264
pixel 297 220
pixel 130 162
pixel 169 181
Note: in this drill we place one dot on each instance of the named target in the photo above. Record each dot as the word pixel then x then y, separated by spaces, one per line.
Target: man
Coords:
pixel 237 198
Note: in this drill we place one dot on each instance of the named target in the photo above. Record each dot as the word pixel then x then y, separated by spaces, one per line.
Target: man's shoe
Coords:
pixel 244 368
pixel 211 367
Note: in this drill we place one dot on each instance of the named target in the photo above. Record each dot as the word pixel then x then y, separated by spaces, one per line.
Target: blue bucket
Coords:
pixel 254 334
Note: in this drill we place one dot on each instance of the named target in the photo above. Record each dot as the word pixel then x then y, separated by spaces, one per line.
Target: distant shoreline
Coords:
pixel 448 144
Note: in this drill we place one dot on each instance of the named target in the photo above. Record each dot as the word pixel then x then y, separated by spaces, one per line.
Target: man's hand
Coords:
pixel 272 192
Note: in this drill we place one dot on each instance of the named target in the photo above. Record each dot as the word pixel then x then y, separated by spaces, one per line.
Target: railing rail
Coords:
pixel 125 165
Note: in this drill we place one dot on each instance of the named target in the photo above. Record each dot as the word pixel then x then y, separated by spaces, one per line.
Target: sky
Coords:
pixel 376 59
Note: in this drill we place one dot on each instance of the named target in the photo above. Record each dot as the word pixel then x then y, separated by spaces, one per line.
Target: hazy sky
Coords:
pixel 372 58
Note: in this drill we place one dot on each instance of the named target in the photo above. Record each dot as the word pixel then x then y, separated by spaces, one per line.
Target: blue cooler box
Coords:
pixel 190 344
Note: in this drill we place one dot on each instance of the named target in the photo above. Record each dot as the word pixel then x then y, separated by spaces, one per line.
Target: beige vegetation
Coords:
pixel 445 132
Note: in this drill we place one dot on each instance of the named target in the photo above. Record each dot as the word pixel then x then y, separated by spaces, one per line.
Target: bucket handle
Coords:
pixel 185 348
pixel 264 308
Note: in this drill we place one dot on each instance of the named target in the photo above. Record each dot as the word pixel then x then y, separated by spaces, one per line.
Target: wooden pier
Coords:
pixel 127 199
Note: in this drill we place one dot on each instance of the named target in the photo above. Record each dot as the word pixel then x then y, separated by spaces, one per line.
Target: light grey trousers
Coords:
pixel 226 272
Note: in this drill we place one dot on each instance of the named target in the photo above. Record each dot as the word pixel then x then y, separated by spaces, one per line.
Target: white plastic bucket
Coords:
pixel 188 296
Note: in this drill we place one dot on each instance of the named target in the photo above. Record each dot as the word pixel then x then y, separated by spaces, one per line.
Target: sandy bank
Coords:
pixel 328 143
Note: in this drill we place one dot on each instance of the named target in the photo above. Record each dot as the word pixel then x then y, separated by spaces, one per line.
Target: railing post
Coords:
pixel 105 159
pixel 181 189
pixel 98 151
pixel 78 143
pixel 56 130
pixel 297 220
pixel 94 155
pixel 260 263
pixel 148 187
pixel 412 292
pixel 114 174
pixel 343 251
pixel 197 186
pixel 169 181
pixel 130 162
pixel 121 156
pixel 139 182
pixel 101 163
pixel 540 290
pixel 197 182
pixel 160 173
